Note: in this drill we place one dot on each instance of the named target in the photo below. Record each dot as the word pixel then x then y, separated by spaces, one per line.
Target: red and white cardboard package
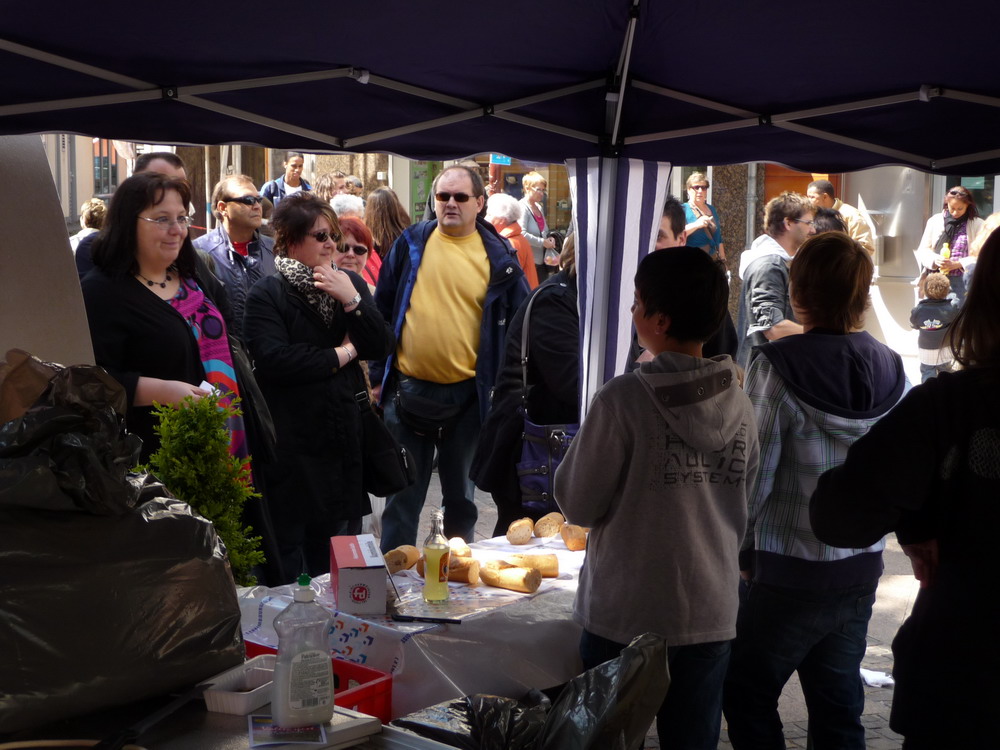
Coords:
pixel 357 575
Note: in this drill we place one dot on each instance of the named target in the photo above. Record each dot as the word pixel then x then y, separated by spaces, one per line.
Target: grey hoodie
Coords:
pixel 661 470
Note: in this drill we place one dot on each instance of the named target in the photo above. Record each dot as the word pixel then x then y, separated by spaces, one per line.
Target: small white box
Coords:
pixel 358 575
pixel 242 689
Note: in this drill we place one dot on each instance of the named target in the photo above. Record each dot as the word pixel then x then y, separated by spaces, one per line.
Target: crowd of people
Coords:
pixel 760 464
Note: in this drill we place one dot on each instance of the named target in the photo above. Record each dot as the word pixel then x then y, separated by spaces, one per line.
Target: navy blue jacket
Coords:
pixel 236 272
pixel 507 288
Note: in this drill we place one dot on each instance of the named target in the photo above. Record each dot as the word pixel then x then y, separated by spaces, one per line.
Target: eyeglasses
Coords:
pixel 246 200
pixel 356 249
pixel 803 221
pixel 958 193
pixel 323 236
pixel 699 187
pixel 445 197
pixel 165 222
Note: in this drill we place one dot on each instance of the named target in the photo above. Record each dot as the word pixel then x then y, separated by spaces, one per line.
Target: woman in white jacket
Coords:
pixel 957 226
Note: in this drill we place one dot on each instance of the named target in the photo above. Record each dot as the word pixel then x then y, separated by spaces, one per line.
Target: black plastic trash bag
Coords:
pixel 110 589
pixel 609 707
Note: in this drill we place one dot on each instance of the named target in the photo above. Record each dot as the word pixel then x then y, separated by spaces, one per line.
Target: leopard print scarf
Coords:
pixel 300 276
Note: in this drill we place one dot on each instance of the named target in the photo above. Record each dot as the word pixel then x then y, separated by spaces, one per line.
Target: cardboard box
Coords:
pixel 357 575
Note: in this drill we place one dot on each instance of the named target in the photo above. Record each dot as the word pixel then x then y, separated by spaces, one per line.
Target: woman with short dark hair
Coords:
pixel 307 327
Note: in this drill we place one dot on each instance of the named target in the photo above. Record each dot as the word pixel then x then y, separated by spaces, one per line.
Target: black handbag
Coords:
pixel 388 467
pixel 261 436
pixel 543 446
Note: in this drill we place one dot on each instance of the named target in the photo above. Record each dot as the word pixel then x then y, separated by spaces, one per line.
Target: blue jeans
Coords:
pixel 822 634
pixel 691 715
pixel 455 452
pixel 932 371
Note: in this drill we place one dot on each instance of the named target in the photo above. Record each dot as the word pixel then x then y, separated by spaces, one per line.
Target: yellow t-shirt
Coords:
pixel 440 337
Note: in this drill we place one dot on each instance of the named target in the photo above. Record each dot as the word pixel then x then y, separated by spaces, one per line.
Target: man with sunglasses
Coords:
pixel 765 312
pixel 447 287
pixel 238 253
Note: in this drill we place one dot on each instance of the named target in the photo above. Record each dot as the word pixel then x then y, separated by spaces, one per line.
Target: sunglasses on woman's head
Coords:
pixel 958 194
pixel 323 236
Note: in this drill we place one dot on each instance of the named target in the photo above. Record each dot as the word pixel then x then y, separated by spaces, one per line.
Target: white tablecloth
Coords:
pixel 506 644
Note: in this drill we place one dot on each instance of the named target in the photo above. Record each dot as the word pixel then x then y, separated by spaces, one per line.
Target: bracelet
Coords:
pixel 353 302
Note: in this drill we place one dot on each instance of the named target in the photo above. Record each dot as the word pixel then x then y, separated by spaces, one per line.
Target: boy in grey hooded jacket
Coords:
pixel 661 470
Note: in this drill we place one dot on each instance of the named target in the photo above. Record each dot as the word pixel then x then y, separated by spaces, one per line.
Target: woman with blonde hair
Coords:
pixel 386 218
pixel 704 230
pixel 532 221
pixel 92 215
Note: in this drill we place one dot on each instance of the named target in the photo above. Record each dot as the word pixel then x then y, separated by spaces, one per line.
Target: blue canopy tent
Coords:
pixel 628 84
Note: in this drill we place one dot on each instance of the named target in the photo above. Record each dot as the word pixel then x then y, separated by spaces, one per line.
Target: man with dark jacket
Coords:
pixel 239 254
pixel 448 288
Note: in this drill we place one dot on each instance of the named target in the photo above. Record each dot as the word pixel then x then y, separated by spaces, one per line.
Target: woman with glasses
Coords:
pixel 356 252
pixel 947 238
pixel 704 230
pixel 306 327
pixel 157 315
pixel 533 225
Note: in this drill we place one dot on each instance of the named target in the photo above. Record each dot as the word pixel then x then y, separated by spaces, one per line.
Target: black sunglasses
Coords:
pixel 246 200
pixel 459 197
pixel 958 193
pixel 323 236
pixel 358 249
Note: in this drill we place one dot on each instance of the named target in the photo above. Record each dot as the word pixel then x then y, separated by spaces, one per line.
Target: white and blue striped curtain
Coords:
pixel 617 208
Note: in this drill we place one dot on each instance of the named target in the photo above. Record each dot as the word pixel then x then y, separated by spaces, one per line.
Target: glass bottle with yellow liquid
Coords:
pixel 436 559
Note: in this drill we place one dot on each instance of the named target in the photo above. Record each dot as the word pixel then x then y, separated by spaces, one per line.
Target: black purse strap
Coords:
pixel 525 324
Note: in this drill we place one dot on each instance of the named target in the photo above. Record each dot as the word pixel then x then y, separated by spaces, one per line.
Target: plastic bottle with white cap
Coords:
pixel 303 673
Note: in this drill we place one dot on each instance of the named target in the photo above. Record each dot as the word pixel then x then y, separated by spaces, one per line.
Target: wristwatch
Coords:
pixel 355 300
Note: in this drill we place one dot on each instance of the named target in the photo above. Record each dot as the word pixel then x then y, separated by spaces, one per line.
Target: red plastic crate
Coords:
pixel 368 690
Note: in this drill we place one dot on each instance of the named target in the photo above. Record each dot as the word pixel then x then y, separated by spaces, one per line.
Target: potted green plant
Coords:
pixel 194 463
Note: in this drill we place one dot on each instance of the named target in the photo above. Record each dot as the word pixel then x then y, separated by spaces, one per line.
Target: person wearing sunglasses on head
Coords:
pixel 948 236
pixel 307 328
pixel 448 288
pixel 765 312
pixel 239 255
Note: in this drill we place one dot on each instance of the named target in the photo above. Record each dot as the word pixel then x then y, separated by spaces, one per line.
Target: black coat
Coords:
pixel 553 383
pixel 135 333
pixel 317 476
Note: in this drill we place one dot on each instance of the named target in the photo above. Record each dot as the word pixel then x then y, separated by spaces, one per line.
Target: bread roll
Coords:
pixel 463 570
pixel 525 580
pixel 520 531
pixel 547 565
pixel 403 557
pixel 458 547
pixel 574 536
pixel 549 525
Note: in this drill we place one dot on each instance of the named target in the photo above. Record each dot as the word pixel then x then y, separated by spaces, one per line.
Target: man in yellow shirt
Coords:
pixel 448 288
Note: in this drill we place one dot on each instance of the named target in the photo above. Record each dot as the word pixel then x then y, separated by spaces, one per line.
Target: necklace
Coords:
pixel 161 284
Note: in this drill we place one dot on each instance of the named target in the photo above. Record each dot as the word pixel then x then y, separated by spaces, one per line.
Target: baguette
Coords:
pixel 520 531
pixel 403 557
pixel 575 537
pixel 549 525
pixel 547 565
pixel 525 580
pixel 458 547
pixel 460 570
